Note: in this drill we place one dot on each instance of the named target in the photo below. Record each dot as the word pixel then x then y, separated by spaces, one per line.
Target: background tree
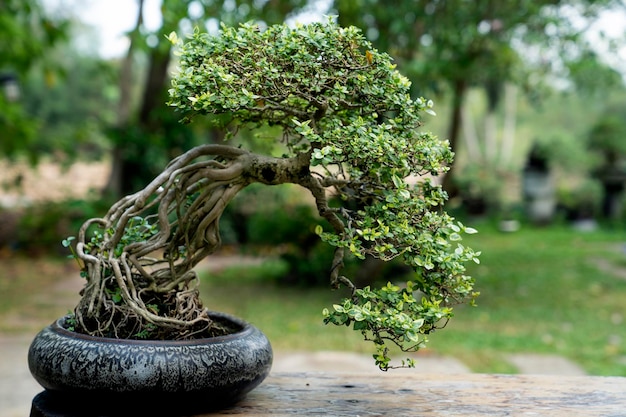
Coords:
pixel 28 36
pixel 73 108
pixel 456 44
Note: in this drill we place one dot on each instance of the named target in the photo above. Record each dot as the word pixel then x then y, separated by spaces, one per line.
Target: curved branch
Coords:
pixel 316 187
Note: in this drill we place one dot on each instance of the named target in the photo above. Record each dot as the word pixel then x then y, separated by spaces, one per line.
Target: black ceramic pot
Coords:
pixel 191 376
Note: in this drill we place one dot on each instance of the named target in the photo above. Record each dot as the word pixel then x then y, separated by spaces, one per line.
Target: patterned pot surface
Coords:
pixel 221 369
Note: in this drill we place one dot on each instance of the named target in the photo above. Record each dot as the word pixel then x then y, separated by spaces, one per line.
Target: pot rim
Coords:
pixel 245 328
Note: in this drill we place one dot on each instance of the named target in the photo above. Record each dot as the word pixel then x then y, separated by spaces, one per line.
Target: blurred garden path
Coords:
pixel 21 184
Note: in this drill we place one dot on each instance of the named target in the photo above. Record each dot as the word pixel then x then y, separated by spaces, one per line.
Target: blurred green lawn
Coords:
pixel 548 290
pixel 543 290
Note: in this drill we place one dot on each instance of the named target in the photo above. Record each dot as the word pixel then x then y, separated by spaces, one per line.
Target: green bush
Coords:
pixel 291 232
pixel 582 201
pixel 42 227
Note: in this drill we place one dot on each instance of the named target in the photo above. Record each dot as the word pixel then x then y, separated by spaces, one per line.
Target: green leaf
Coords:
pixel 352 114
pixel 397 181
pixel 360 325
pixel 173 38
pixel 67 242
pixel 405 194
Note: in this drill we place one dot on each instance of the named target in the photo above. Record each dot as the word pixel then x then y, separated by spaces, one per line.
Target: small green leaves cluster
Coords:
pixel 146 331
pixel 138 229
pixel 429 242
pixel 391 313
pixel 325 156
pixel 67 243
pixel 70 321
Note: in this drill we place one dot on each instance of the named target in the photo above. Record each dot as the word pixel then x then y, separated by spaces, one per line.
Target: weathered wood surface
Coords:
pixel 407 394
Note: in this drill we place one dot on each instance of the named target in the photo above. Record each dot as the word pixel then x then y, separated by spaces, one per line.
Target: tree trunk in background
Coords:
pixel 131 168
pixel 456 119
pixel 508 134
pixel 127 168
pixel 470 134
pixel 154 91
pixel 491 146
pixel 114 184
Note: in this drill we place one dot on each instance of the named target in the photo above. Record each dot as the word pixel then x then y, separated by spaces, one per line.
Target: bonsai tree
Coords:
pixel 349 129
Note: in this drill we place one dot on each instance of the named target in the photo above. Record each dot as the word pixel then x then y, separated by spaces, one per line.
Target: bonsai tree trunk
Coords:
pixel 189 197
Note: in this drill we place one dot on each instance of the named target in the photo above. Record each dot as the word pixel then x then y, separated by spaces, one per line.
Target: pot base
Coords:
pixel 55 404
pixel 84 374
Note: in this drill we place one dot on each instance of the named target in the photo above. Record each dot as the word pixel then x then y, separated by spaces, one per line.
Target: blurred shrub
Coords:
pixel 9 220
pixel 481 188
pixel 293 225
pixel 280 221
pixel 40 228
pixel 608 134
pixel 289 232
pixel 581 201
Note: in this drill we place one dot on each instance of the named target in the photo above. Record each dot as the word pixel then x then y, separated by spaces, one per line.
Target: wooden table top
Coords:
pixel 408 394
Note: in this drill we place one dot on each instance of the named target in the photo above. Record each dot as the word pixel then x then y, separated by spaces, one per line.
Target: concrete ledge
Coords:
pixel 531 363
pixel 389 394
